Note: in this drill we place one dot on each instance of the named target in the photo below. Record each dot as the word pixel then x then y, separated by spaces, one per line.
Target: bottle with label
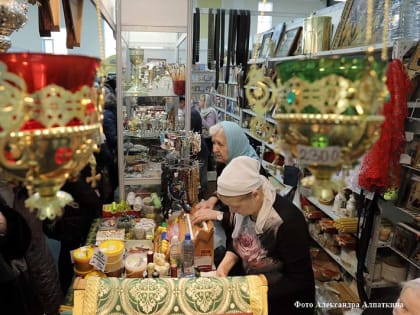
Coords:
pixel 175 252
pixel 163 247
pixel 187 256
pixel 351 207
pixel 173 230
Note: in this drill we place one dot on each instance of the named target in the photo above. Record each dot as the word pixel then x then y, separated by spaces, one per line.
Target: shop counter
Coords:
pixel 170 296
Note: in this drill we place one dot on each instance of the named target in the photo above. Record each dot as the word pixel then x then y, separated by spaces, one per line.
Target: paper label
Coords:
pixel 369 194
pixel 99 260
pixel 321 156
pixel 405 159
pixel 409 136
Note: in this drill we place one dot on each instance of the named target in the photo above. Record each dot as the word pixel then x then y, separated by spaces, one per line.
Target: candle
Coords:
pixel 81 258
pixel 113 249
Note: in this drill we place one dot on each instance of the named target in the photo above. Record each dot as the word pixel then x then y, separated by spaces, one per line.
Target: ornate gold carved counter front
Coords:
pixel 170 296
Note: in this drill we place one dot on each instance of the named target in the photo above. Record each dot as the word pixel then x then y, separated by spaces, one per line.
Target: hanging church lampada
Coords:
pixel 13 15
pixel 328 113
pixel 51 120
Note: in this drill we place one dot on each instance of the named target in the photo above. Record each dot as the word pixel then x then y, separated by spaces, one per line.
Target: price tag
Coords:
pixel 322 156
pixel 369 194
pixel 405 159
pixel 98 260
pixel 409 136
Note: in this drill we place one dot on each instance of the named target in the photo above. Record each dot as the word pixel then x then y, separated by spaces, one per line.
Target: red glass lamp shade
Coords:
pixel 51 121
pixel 40 70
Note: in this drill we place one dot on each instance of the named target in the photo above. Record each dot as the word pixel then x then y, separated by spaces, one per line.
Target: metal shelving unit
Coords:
pixel 139 31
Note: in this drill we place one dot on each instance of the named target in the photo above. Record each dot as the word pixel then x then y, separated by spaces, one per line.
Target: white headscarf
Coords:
pixel 240 177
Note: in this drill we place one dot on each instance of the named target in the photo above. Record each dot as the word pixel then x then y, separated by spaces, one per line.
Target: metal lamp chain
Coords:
pixel 101 41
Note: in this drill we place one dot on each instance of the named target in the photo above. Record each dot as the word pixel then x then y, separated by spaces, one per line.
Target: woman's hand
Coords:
pixel 221 272
pixel 207 204
pixel 204 214
pixel 226 264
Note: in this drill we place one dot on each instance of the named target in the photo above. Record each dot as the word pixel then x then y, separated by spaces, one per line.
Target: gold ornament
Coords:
pixel 260 90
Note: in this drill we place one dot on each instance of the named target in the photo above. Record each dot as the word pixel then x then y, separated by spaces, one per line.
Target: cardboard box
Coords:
pixel 202 237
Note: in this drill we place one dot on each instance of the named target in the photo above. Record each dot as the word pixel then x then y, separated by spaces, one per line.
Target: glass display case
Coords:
pixel 151 66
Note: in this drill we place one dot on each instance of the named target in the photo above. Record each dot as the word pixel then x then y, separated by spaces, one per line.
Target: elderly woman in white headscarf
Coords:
pixel 270 237
pixel 409 300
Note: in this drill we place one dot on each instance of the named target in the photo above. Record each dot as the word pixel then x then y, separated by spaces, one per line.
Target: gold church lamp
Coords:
pixel 51 119
pixel 329 110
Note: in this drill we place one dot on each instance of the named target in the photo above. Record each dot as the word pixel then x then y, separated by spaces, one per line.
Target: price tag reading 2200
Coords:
pixel 322 156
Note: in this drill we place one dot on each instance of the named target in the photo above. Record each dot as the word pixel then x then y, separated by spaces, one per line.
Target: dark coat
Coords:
pixel 110 122
pixel 287 244
pixel 41 277
pixel 15 293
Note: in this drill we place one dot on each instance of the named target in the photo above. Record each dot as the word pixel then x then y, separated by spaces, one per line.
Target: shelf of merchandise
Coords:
pixel 277 177
pixel 130 181
pixel 343 51
pixel 350 269
pixel 225 97
pixel 234 116
pixel 327 209
pixel 202 82
pixel 134 28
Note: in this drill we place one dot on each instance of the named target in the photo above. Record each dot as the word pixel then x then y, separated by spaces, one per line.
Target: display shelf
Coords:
pixel 220 109
pixel 271 120
pixel 249 112
pixel 411 167
pixel 250 134
pixel 343 51
pixel 229 83
pixel 349 268
pixel 164 93
pixel 237 117
pixel 136 135
pixel 257 61
pixel 413 214
pixel 327 209
pixel 266 165
pixel 129 181
pixel 382 244
pixel 146 76
pixel 225 97
pixel 414 263
pixel 380 284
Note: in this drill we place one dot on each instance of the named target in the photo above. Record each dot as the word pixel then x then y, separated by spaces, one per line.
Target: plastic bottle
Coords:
pixel 175 252
pixel 163 243
pixel 339 202
pixel 351 207
pixel 187 256
pixel 173 230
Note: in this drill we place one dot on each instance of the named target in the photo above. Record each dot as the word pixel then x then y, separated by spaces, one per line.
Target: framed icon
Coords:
pixel 289 42
pixel 278 36
pixel 266 45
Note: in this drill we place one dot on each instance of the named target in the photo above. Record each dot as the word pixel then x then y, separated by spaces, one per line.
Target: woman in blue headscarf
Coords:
pixel 229 142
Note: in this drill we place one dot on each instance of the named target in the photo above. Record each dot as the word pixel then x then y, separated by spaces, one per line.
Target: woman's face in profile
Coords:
pixel 220 147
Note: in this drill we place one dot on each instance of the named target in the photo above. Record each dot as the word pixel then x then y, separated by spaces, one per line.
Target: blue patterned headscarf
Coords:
pixel 237 141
